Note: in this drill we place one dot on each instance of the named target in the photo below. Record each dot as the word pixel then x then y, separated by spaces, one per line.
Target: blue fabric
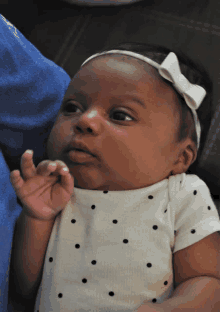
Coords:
pixel 31 92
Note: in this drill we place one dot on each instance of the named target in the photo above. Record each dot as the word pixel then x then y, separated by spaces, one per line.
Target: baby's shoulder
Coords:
pixel 184 186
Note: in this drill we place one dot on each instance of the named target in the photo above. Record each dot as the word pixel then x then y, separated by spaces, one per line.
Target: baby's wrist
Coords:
pixel 36 219
pixel 32 226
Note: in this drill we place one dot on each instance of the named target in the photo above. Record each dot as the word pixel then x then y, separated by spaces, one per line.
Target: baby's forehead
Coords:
pixel 127 73
pixel 121 64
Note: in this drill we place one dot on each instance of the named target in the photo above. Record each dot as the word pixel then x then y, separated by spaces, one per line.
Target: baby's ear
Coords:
pixel 187 156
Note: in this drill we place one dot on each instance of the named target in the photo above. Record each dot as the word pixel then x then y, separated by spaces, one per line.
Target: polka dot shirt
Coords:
pixel 112 250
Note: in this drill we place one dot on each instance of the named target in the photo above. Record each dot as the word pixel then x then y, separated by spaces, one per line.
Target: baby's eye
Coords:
pixel 121 116
pixel 70 108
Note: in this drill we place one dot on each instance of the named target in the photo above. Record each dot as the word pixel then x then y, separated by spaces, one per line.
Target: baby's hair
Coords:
pixel 195 73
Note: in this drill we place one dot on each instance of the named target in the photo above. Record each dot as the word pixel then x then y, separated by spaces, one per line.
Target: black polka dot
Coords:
pixel 209 208
pixel 149 265
pixel 84 280
pixel 77 245
pixel 125 241
pixel 150 197
pixel 154 300
pixel 93 262
pixel 89 129
pixel 180 181
pixel 93 206
pixel 155 227
pixel 51 259
pixel 111 293
pixel 195 192
pixel 165 211
pixel 193 231
pixel 165 283
pixel 105 192
pixel 115 221
pixel 175 232
pixel 73 221
pixel 60 295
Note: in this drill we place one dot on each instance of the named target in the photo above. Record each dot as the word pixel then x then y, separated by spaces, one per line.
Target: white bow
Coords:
pixel 170 70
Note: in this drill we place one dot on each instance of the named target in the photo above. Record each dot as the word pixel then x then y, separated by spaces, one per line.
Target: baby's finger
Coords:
pixel 16 180
pixel 46 167
pixel 67 182
pixel 61 168
pixel 28 169
pixel 56 167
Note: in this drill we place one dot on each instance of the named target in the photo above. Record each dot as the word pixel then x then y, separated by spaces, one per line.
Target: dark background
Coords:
pixel 68 34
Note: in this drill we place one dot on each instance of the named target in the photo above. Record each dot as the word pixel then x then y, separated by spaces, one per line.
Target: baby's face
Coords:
pixel 126 116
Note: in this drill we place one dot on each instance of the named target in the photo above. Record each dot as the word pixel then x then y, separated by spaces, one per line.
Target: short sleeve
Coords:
pixel 196 215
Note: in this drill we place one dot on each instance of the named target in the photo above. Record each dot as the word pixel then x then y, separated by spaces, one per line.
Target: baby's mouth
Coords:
pixel 80 156
pixel 79 146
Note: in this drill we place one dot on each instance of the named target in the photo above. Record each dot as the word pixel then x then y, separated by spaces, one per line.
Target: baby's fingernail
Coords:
pixel 65 169
pixel 29 152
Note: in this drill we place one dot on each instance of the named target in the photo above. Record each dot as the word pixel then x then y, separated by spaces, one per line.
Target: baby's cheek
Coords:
pixel 53 144
pixel 49 148
pixel 58 133
pixel 60 137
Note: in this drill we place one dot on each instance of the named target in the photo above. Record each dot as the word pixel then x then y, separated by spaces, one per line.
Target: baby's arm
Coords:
pixel 28 251
pixel 42 197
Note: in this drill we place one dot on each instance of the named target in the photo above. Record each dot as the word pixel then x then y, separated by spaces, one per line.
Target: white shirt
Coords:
pixel 113 251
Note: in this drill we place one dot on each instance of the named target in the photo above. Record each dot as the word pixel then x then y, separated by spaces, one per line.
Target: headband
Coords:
pixel 170 70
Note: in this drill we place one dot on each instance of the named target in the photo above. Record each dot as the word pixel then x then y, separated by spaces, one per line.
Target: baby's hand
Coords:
pixel 43 196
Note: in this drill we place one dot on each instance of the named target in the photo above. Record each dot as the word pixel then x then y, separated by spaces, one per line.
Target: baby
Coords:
pixel 124 222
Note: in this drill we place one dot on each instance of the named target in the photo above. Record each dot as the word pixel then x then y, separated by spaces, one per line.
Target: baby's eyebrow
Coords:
pixel 78 95
pixel 135 99
pixel 81 96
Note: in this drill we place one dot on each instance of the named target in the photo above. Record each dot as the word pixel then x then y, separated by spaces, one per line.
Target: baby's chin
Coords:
pixel 86 186
pixel 97 184
pixel 89 179
pixel 102 187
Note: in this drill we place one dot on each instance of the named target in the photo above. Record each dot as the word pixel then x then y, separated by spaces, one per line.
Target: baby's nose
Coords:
pixel 89 130
pixel 89 122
